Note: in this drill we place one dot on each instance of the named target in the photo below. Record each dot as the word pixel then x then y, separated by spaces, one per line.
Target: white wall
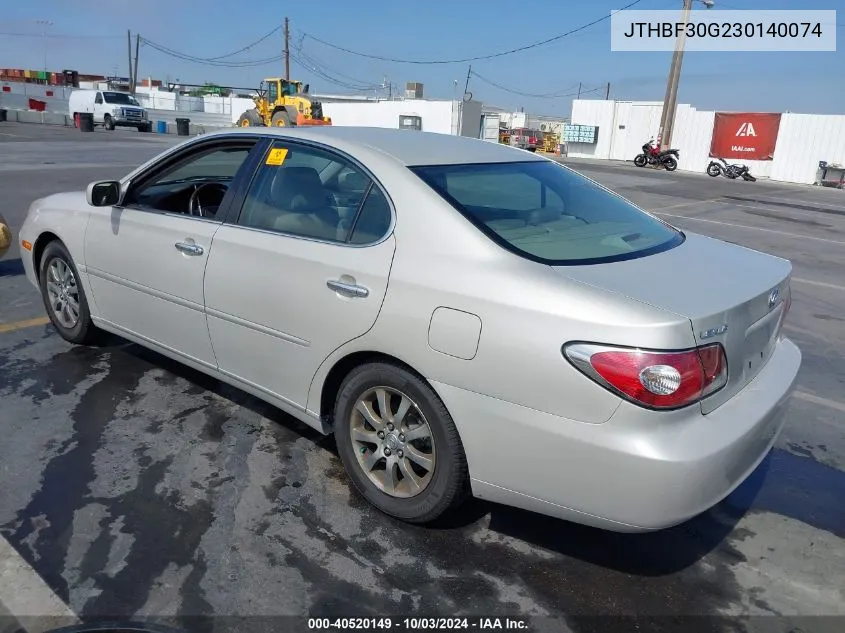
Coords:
pixel 694 128
pixel 437 116
pixel 804 140
pixel 20 93
pixel 239 105
pixel 600 114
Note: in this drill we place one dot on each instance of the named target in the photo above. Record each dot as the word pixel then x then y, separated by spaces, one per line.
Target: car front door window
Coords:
pixel 194 186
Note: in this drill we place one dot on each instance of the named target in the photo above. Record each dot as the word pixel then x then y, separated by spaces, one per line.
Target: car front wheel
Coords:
pixel 64 296
pixel 399 444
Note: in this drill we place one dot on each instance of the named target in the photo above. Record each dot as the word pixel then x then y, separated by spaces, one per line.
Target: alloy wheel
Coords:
pixel 63 293
pixel 393 442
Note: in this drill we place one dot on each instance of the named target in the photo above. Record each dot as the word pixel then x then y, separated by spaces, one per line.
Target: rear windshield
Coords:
pixel 548 213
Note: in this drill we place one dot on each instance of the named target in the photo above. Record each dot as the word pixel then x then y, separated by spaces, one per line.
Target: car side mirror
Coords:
pixel 103 193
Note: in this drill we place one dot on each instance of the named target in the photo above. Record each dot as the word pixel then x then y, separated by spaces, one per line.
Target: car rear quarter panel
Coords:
pixel 527 312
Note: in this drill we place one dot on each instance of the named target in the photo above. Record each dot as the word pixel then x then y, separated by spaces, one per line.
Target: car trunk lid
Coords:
pixel 730 294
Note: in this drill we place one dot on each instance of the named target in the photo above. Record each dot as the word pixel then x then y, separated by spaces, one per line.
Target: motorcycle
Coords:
pixel 729 171
pixel 653 155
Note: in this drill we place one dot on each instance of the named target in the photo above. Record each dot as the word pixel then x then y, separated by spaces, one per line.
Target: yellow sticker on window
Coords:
pixel 276 156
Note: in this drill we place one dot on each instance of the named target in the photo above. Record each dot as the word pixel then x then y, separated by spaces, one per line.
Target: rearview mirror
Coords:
pixel 104 193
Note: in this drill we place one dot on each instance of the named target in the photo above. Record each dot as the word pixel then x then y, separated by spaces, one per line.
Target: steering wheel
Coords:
pixel 194 204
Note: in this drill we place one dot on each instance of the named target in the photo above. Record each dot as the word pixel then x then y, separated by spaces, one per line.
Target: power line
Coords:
pixel 558 95
pixel 471 59
pixel 207 61
pixel 248 46
pixel 317 63
pixel 60 36
pixel 358 87
pixel 217 61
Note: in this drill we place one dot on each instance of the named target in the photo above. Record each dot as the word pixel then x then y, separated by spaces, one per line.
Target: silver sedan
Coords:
pixel 467 319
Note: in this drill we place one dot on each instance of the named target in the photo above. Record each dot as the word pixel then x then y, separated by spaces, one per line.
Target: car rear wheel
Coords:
pixel 64 297
pixel 399 444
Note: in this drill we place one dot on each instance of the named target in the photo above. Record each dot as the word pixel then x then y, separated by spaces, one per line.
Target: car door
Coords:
pixel 99 108
pixel 146 258
pixel 296 275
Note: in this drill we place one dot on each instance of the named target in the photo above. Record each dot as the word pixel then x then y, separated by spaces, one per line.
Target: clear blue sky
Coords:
pixel 91 37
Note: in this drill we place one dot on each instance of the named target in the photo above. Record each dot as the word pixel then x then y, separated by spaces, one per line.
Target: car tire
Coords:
pixel 427 494
pixel 108 123
pixel 54 262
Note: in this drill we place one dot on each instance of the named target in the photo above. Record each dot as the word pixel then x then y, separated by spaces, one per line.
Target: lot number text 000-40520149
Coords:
pixel 418 623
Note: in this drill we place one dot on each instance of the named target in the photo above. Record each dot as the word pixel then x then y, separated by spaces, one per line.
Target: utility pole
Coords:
pixel 45 24
pixel 579 90
pixel 670 101
pixel 287 49
pixel 133 80
pixel 129 49
pixel 463 100
pixel 607 92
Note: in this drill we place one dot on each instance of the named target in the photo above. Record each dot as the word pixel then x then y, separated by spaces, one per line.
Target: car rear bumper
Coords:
pixel 639 471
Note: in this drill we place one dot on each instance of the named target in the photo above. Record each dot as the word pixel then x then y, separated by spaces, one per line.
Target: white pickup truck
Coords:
pixel 110 109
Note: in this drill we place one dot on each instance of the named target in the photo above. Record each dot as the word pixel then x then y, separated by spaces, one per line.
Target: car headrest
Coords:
pixel 541 216
pixel 353 181
pixel 298 189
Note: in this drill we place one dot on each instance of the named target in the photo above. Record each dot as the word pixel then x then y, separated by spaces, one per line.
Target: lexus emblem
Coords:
pixel 773 298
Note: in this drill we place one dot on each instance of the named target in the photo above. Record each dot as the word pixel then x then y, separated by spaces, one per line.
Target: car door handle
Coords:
pixel 189 249
pixel 353 290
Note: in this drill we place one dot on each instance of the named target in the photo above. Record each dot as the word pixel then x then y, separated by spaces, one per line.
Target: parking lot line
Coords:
pixel 690 204
pixel 791 210
pixel 20 325
pixel 822 284
pixel 825 402
pixel 753 228
pixel 27 598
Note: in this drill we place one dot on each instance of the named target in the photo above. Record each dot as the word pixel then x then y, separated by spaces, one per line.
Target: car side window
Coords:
pixel 304 191
pixel 99 98
pixel 195 185
pixel 373 221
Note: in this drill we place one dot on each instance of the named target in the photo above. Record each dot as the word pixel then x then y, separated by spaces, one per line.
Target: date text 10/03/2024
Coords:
pixel 417 624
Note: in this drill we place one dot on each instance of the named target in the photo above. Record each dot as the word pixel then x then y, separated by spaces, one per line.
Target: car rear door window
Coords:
pixel 306 192
pixel 549 213
pixel 373 221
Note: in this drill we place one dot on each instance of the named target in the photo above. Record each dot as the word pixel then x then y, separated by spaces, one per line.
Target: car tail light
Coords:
pixel 654 379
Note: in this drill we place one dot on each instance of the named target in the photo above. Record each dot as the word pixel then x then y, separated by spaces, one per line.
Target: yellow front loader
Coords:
pixel 282 103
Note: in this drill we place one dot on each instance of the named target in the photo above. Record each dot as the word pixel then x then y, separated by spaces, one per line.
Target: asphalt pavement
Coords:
pixel 132 486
